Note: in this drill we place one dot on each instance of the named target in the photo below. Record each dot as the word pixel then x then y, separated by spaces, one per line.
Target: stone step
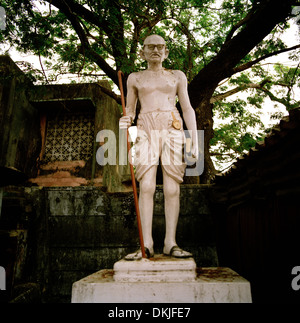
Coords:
pixel 157 269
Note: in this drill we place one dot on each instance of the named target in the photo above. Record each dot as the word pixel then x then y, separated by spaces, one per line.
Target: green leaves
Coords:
pixel 109 35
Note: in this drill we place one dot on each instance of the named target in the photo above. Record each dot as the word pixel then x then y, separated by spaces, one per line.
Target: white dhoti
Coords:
pixel 158 140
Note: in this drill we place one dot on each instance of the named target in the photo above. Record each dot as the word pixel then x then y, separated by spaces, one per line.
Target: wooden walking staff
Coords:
pixel 136 202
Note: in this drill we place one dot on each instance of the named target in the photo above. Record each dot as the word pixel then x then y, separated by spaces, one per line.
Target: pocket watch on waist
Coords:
pixel 176 124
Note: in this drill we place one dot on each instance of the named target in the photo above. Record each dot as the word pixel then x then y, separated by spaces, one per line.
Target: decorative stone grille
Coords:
pixel 69 136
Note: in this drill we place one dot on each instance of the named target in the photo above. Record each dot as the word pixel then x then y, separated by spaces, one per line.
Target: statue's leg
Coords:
pixel 172 205
pixel 171 194
pixel 147 190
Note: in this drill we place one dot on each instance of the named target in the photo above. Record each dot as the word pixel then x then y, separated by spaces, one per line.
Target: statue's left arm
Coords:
pixel 189 115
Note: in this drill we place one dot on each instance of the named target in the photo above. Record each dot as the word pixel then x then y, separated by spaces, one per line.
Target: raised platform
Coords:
pixel 208 285
pixel 160 268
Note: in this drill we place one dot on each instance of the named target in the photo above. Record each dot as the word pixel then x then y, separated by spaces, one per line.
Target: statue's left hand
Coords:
pixel 195 150
pixel 192 148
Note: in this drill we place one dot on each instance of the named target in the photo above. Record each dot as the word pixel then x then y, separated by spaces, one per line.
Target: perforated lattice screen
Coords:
pixel 69 136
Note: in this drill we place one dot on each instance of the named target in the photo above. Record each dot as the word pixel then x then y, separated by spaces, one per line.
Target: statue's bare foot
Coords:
pixel 138 254
pixel 178 253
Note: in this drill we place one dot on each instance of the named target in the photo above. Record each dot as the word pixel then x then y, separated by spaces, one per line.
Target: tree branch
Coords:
pixel 259 87
pixel 238 25
pixel 247 65
pixel 82 12
pixel 222 96
pixel 65 7
pixel 266 16
pixel 110 93
pixel 287 104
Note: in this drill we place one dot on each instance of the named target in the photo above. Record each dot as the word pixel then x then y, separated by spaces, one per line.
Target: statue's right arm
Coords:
pixel 131 100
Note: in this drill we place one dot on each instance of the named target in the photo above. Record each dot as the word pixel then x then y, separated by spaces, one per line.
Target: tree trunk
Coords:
pixel 204 116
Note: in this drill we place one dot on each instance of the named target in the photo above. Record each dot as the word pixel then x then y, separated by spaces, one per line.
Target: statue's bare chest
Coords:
pixel 150 82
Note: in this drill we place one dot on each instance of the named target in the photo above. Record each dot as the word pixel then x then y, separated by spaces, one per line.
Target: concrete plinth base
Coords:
pixel 160 268
pixel 211 285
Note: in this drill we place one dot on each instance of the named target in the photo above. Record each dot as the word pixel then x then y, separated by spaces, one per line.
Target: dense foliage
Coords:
pixel 220 45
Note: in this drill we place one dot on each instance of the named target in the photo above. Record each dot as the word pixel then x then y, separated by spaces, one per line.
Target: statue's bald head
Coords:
pixel 154 39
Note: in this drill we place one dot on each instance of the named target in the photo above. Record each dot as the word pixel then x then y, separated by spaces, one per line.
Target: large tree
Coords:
pixel 220 45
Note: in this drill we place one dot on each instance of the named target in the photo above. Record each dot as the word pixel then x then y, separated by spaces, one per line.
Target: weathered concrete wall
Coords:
pixel 23 119
pixel 19 124
pixel 16 224
pixel 81 230
pixel 86 96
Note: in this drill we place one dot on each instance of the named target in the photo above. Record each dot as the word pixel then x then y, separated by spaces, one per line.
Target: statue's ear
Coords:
pixel 166 53
pixel 142 54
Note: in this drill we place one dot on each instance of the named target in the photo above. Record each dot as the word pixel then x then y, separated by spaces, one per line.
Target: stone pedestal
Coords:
pixel 160 268
pixel 162 280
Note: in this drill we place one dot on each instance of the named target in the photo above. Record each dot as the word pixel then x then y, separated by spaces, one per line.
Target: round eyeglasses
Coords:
pixel 152 47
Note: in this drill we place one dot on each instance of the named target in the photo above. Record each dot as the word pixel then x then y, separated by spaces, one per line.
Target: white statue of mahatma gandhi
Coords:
pixel 160 136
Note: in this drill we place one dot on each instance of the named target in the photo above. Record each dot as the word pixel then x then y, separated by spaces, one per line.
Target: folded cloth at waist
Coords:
pixel 159 111
pixel 157 139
